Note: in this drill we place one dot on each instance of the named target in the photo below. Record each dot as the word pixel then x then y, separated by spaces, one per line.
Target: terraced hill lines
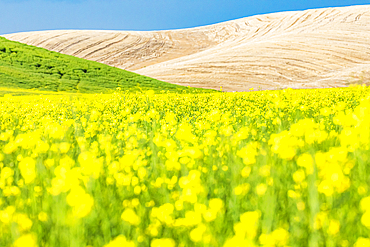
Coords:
pixel 302 49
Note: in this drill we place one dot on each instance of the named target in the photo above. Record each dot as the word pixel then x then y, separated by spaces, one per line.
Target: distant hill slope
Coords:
pixel 28 67
pixel 312 48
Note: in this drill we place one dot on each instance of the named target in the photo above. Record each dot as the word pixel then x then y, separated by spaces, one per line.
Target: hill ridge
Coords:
pixel 24 67
pixel 299 49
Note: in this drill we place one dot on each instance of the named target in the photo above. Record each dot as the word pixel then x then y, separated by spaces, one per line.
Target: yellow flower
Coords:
pixel 120 241
pixel 130 216
pixel 320 220
pixel 334 227
pixel 280 236
pixel 193 218
pixel 24 223
pixel 362 242
pixel 241 189
pixel 248 153
pixel 179 205
pixel 7 214
pixel 10 148
pixel 164 213
pixel 305 160
pixel 6 172
pixel 246 171
pixel 261 189
pixel 216 204
pixel 42 216
pixel 64 147
pixel 365 204
pixel 238 241
pixel 284 144
pixel 49 163
pixel 238 190
pixel 141 172
pixel 266 240
pixel 209 215
pixel 90 165
pixel 27 167
pixel 137 190
pixel 248 224
pixel 365 219
pixel 55 131
pixel 197 233
pixel 299 176
pixel 326 188
pixel 293 194
pixel 163 242
pixel 28 240
pixel 185 133
pixel 80 201
pixel 15 190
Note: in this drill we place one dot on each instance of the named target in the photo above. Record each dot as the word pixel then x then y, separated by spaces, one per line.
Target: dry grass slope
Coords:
pixel 302 49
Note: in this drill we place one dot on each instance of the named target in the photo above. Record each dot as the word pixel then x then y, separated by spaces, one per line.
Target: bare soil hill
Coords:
pixel 301 49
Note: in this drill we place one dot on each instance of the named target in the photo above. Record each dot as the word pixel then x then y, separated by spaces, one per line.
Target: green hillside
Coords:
pixel 28 67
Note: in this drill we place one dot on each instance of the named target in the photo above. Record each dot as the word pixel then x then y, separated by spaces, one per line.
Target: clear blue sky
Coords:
pixel 35 15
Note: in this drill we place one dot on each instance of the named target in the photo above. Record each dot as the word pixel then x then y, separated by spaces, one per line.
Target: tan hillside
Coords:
pixel 301 49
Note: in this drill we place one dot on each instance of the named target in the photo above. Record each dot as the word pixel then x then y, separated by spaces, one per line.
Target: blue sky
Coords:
pixel 34 15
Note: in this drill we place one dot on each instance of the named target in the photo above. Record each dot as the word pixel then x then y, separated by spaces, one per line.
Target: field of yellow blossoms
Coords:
pixel 265 168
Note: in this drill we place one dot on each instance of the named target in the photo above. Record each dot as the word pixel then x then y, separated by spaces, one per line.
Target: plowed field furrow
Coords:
pixel 79 51
pixel 49 38
pixel 72 44
pixel 88 55
pixel 60 42
pixel 312 48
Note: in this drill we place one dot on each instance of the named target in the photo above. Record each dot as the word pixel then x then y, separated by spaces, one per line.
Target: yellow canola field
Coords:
pixel 268 168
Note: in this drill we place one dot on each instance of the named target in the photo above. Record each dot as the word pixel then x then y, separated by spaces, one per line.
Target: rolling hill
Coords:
pixel 302 49
pixel 27 67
